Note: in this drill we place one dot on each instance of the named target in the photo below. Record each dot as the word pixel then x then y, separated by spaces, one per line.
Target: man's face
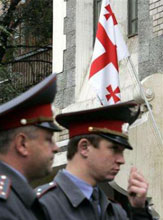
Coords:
pixel 104 162
pixel 42 149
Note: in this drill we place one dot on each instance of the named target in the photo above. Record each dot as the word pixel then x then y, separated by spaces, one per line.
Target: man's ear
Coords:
pixel 83 147
pixel 21 144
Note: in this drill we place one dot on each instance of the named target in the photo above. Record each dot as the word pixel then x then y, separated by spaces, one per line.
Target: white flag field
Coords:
pixel 109 49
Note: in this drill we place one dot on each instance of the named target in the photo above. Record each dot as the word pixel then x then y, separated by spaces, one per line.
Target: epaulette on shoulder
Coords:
pixel 5 185
pixel 41 190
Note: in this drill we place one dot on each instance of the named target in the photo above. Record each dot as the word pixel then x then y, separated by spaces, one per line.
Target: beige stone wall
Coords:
pixel 147 155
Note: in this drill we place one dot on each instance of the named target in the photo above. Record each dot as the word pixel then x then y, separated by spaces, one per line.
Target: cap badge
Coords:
pixel 23 121
pixel 125 128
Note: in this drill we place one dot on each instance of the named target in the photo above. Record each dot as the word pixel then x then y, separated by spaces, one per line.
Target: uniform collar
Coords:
pixel 19 185
pixel 73 193
pixel 85 188
pixel 14 170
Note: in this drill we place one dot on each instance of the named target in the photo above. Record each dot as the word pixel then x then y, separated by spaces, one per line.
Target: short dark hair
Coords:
pixel 94 139
pixel 7 136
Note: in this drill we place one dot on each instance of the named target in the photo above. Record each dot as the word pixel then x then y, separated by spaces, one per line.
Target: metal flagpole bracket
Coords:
pixel 145 96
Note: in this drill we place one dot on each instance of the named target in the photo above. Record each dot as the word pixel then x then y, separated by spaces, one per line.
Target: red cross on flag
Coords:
pixel 108 50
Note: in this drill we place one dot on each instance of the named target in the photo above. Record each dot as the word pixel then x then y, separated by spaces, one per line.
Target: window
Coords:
pixel 132 18
pixel 97 8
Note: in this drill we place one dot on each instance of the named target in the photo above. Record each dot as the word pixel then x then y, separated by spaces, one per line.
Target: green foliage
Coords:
pixel 8 87
pixel 4 30
pixel 38 20
pixel 21 24
pixel 23 28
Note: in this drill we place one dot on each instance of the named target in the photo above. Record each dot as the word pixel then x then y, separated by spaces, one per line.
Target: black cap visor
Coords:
pixel 49 125
pixel 117 139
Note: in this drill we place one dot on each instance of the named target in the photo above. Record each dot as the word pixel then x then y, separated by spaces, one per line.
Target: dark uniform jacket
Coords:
pixel 17 199
pixel 64 201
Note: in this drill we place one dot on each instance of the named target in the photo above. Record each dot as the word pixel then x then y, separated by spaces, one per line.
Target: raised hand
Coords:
pixel 137 188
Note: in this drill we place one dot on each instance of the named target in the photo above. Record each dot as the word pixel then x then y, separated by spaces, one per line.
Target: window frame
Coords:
pixel 132 20
pixel 97 9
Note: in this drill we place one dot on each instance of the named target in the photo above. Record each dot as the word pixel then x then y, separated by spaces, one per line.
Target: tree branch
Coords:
pixel 9 14
pixel 28 46
pixel 26 61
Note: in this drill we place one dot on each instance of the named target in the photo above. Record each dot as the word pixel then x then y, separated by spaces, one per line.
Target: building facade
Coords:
pixel 141 23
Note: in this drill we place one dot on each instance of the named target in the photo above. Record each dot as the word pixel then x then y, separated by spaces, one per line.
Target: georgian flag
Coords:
pixel 108 50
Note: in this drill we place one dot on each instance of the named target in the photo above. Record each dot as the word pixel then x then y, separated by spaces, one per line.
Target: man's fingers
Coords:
pixel 136 175
pixel 137 191
pixel 137 185
pixel 137 188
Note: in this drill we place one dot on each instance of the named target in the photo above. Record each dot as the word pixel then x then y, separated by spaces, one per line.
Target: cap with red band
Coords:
pixel 110 122
pixel 87 127
pixel 31 108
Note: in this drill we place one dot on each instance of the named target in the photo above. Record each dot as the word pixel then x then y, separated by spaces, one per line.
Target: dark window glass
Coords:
pixel 97 9
pixel 132 18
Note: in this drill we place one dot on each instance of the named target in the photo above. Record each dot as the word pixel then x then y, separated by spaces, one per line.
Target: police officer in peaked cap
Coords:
pixel 98 139
pixel 26 150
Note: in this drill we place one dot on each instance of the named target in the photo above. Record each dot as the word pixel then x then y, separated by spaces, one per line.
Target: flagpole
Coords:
pixel 156 129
